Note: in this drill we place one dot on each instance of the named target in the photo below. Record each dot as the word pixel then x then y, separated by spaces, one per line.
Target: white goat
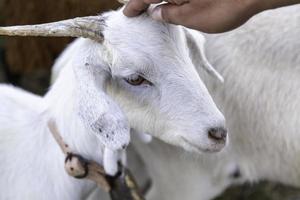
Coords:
pixel 260 99
pixel 152 79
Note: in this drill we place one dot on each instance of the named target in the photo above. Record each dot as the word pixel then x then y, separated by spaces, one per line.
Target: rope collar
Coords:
pixel 77 166
pixel 122 186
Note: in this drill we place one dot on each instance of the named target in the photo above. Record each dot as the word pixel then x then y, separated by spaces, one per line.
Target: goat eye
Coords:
pixel 135 80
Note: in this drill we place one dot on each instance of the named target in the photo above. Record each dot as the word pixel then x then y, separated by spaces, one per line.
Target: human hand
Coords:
pixel 211 16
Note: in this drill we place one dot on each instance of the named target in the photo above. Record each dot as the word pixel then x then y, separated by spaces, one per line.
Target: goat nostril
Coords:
pixel 217 133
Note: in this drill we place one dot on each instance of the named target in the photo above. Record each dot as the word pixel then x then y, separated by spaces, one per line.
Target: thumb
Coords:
pixel 170 13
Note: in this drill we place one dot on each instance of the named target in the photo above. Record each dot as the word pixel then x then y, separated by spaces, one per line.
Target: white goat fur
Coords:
pixel 260 62
pixel 177 108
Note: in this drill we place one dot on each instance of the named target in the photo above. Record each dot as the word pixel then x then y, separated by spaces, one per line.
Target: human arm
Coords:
pixel 211 16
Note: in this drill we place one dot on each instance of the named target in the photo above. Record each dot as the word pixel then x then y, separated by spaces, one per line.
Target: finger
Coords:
pixel 171 1
pixel 110 161
pixel 175 14
pixel 180 2
pixel 136 7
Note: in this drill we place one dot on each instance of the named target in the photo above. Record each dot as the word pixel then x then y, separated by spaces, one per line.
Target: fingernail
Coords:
pixel 157 14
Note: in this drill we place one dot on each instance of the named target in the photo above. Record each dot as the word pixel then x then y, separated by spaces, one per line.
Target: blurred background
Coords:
pixel 26 62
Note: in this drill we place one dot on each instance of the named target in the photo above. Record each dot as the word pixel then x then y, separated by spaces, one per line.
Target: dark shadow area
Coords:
pixel 261 191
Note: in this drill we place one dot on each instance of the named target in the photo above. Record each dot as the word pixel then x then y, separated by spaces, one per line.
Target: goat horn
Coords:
pixel 88 27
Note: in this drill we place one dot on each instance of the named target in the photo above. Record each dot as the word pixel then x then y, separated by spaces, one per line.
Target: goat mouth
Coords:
pixel 215 148
pixel 218 141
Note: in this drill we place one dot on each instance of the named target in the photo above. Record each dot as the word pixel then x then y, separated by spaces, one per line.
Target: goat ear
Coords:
pixel 99 113
pixel 195 42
